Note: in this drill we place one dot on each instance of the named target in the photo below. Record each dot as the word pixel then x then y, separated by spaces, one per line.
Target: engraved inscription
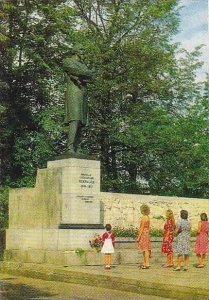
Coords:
pixel 86 180
pixel 86 199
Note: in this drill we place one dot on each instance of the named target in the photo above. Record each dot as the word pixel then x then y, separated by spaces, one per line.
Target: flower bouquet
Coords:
pixel 96 242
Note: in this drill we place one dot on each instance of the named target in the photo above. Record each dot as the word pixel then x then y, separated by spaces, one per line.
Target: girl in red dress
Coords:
pixel 201 244
pixel 143 239
pixel 108 240
pixel 168 236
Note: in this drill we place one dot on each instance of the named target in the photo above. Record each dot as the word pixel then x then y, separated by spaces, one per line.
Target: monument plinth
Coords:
pixel 80 192
pixel 61 213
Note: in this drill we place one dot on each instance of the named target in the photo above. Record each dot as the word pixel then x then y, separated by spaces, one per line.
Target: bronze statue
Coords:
pixel 76 106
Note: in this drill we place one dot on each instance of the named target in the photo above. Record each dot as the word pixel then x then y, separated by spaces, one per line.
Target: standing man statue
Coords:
pixel 76 106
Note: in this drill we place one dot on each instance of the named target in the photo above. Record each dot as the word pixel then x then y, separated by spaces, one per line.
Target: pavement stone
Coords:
pixel 157 281
pixel 24 288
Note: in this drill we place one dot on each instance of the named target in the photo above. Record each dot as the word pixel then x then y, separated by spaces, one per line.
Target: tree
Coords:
pixel 142 104
pixel 35 35
pixel 128 46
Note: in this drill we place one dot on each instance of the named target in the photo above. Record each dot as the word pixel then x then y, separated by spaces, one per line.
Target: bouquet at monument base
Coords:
pixel 96 242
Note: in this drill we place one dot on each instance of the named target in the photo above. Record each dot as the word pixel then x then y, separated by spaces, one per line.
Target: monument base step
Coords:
pixel 161 282
pixel 76 257
pixel 81 257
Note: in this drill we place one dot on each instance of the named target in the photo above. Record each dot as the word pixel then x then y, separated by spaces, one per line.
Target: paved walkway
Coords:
pixel 158 281
pixel 23 288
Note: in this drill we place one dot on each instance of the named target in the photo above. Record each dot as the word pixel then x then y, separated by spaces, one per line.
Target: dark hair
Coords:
pixel 203 217
pixel 108 227
pixel 184 214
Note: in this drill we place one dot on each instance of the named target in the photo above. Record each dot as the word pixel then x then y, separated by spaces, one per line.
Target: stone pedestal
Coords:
pixel 62 212
pixel 80 192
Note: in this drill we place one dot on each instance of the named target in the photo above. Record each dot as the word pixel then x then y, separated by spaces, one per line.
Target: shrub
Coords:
pixel 125 232
pixel 156 232
pixel 132 232
pixel 4 196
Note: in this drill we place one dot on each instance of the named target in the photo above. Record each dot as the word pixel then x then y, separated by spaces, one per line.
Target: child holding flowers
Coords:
pixel 96 242
pixel 108 240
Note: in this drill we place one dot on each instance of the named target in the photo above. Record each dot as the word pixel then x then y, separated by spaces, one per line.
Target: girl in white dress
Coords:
pixel 108 240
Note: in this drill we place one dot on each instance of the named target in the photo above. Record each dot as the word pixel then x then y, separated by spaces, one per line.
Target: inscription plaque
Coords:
pixel 80 193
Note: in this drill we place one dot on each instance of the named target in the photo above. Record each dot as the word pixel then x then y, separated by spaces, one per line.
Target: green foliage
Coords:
pixel 148 116
pixel 132 232
pixel 144 101
pixel 174 163
pixel 128 47
pixel 31 83
pixel 80 252
pixel 156 232
pixel 2 242
pixel 4 195
pixel 125 232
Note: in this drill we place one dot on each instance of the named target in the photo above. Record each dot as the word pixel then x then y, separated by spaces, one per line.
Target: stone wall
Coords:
pixel 38 207
pixel 61 212
pixel 67 191
pixel 123 210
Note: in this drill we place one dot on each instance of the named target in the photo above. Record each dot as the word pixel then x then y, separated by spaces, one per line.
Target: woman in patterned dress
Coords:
pixel 182 246
pixel 143 239
pixel 201 244
pixel 168 236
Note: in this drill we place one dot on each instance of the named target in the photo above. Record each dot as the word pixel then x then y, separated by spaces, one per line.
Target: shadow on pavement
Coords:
pixel 10 291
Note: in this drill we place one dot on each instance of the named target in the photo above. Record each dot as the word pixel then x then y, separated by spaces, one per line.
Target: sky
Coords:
pixel 194 30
